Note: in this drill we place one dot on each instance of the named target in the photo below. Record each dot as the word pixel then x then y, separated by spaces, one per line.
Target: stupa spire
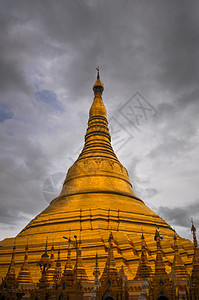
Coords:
pixel 68 261
pixel 24 276
pixel 144 270
pixel 96 271
pixel 110 274
pixel 98 87
pixel 58 270
pixel 97 138
pixel 68 274
pixel 97 158
pixel 79 269
pixel 178 267
pixel 195 270
pixel 193 230
pixel 44 264
pixel 51 271
pixel 161 284
pixel 159 263
pixel 10 276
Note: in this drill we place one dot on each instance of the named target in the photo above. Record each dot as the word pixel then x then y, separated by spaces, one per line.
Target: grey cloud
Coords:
pixel 181 216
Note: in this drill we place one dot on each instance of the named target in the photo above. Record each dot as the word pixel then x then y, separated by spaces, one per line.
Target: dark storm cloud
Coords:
pixel 178 33
pixel 11 73
pixel 181 216
pixel 49 51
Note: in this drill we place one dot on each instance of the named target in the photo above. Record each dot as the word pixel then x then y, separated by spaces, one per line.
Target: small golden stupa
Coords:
pixel 98 206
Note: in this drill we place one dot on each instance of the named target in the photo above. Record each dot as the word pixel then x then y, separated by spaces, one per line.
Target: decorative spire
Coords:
pixel 24 276
pixel 96 271
pixel 110 274
pixel 111 260
pixel 97 158
pixel 68 265
pixel 144 270
pixel 51 271
pixel 98 86
pixel 58 271
pixel 10 276
pixel 195 270
pixel 44 265
pixel 44 262
pixel 98 109
pixel 161 284
pixel 159 263
pixel 178 267
pixel 122 276
pixel 45 254
pixel 79 270
pixel 68 275
pixel 193 229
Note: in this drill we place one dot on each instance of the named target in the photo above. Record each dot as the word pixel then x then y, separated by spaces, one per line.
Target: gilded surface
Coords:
pixel 97 198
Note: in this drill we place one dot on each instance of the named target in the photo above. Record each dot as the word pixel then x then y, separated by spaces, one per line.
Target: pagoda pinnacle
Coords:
pixel 24 276
pixel 193 229
pixel 159 263
pixel 45 262
pixel 68 274
pixel 195 270
pixel 144 270
pixel 51 271
pixel 111 260
pixel 79 269
pixel 178 267
pixel 68 261
pixel 98 87
pixel 10 276
pixel 97 158
pixel 161 284
pixel 58 270
pixel 96 271
pixel 98 109
pixel 110 275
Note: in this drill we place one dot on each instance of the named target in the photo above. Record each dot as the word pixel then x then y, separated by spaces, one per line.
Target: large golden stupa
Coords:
pixel 97 199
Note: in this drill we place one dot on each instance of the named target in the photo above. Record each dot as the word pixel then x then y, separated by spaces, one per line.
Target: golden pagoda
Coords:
pixel 98 207
pixel 24 276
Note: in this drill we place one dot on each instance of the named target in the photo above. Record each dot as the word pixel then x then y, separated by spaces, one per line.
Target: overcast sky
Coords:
pixel 148 53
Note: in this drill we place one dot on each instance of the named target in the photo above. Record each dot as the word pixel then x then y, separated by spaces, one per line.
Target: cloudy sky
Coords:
pixel 148 53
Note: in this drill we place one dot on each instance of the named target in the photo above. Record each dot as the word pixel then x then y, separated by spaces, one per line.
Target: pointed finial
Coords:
pixel 142 236
pixel 45 254
pixel 110 237
pixel 98 76
pixel 193 228
pixel 96 272
pixel 98 86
